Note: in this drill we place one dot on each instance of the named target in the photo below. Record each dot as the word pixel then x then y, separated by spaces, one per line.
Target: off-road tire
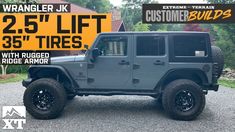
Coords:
pixel 217 57
pixel 54 89
pixel 169 99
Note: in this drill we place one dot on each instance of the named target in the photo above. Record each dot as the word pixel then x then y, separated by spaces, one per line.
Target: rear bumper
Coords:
pixel 26 82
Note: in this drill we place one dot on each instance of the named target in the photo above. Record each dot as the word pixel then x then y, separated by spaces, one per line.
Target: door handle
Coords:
pixel 136 66
pixel 123 62
pixel 158 62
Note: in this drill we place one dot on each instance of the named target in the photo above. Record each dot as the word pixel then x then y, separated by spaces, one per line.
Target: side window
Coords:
pixel 150 46
pixel 190 46
pixel 113 46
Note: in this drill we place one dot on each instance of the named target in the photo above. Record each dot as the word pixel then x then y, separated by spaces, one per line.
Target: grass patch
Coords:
pixel 19 77
pixel 227 83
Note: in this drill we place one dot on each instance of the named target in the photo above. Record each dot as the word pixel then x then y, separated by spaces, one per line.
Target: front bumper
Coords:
pixel 26 82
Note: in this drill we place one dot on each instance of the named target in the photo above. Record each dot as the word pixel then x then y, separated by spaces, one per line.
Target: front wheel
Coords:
pixel 45 98
pixel 183 99
pixel 158 99
pixel 71 97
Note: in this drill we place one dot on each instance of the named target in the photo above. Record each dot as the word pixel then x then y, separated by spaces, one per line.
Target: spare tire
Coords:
pixel 217 57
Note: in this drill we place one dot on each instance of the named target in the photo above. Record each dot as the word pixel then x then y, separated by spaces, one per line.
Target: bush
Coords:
pixel 16 69
pixel 225 42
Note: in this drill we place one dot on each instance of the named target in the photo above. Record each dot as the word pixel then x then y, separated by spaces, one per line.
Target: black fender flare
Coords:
pixel 181 73
pixel 33 70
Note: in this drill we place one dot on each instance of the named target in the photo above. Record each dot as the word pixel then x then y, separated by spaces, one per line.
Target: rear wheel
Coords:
pixel 183 99
pixel 45 98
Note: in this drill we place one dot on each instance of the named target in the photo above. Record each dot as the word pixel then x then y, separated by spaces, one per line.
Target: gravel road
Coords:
pixel 126 114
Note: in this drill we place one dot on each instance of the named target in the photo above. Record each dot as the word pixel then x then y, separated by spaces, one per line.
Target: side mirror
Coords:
pixel 95 53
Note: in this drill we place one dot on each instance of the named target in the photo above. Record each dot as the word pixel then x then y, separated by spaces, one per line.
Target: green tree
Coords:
pixel 132 12
pixel 141 27
pixel 101 6
pixel 18 1
pixel 81 3
pixel 225 39
pixel 224 35
pixel 166 27
pixel 220 1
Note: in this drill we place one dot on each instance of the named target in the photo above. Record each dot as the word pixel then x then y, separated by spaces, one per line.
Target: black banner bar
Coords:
pixel 35 8
pixel 188 13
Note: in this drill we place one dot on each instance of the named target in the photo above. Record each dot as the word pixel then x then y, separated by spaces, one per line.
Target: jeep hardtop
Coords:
pixel 176 68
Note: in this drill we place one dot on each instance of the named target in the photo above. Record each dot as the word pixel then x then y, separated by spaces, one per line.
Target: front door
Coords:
pixel 112 69
pixel 150 61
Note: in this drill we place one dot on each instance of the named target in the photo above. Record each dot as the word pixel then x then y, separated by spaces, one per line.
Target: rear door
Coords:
pixel 150 60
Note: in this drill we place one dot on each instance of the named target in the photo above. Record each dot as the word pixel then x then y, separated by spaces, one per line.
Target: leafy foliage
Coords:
pixel 220 1
pixel 224 38
pixel 18 1
pixel 224 35
pixel 132 12
pixel 141 27
pixel 101 6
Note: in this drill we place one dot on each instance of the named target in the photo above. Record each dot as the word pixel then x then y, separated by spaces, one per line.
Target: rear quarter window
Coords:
pixel 193 46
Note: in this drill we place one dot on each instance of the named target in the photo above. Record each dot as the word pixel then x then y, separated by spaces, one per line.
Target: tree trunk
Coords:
pixel 4 69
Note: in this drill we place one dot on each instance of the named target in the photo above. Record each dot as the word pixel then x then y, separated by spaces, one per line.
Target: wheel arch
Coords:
pixel 193 74
pixel 56 72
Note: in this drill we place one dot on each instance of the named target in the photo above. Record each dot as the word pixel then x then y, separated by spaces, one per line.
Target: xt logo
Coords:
pixel 13 117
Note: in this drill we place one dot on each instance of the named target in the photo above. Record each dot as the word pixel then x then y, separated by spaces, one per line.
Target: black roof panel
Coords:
pixel 156 32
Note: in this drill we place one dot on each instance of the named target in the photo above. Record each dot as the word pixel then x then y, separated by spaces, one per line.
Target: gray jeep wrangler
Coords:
pixel 176 68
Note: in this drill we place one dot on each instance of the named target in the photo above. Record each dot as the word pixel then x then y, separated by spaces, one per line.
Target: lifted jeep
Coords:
pixel 177 68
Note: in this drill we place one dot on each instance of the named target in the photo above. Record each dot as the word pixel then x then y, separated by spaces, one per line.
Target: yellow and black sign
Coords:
pixel 54 31
pixel 188 13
